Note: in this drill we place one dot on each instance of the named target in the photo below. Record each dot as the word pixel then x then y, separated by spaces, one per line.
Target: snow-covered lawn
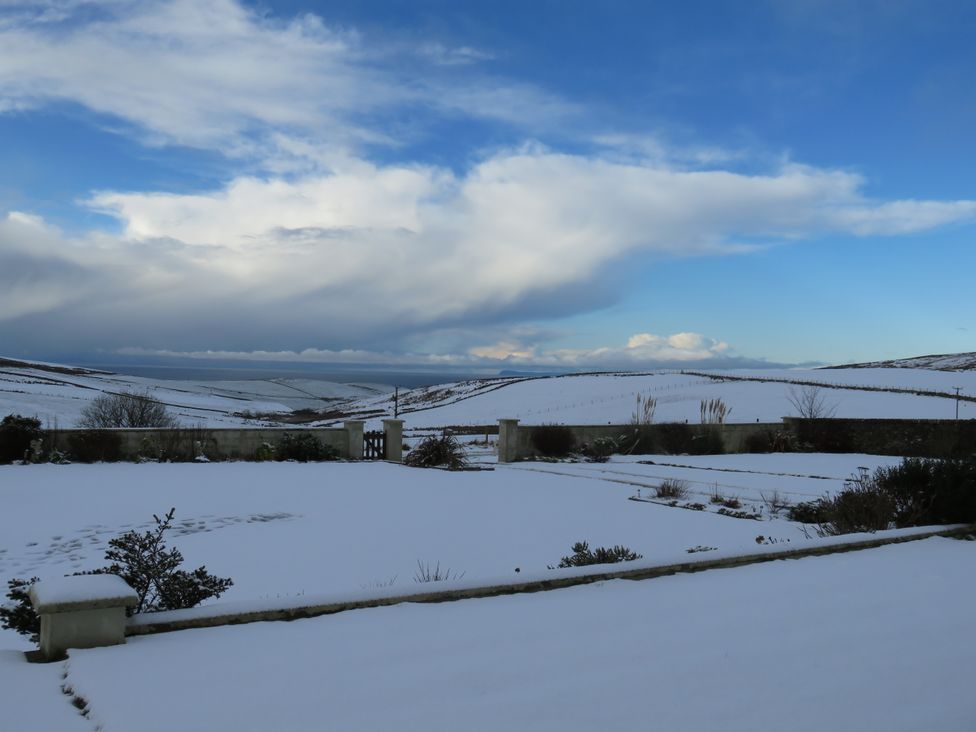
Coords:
pixel 867 640
pixel 289 529
pixel 875 640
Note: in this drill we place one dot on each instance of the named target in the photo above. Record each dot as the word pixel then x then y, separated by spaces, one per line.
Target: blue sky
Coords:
pixel 565 184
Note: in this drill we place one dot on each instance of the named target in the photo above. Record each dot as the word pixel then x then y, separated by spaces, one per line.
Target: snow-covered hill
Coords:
pixel 762 396
pixel 941 362
pixel 57 394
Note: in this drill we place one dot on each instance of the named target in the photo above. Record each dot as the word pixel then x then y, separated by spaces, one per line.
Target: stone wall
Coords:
pixel 218 443
pixel 903 437
pixel 516 441
pixel 938 438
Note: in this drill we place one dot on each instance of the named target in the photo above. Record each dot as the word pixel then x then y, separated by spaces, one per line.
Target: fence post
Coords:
pixel 507 440
pixel 393 430
pixel 354 431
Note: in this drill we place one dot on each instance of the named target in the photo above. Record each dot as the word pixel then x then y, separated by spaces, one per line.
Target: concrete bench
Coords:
pixel 85 611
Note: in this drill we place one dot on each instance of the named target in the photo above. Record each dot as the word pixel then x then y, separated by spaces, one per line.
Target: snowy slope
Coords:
pixel 944 361
pixel 58 394
pixel 752 395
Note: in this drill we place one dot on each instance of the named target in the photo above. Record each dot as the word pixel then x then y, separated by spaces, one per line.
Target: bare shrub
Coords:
pixel 426 573
pixel 810 403
pixel 126 409
pixel 672 488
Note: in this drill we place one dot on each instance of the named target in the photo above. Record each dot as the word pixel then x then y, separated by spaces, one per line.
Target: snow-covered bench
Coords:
pixel 83 611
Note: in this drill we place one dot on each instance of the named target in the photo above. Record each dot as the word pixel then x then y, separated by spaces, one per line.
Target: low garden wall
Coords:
pixel 517 442
pixel 188 443
pixel 939 438
pixel 903 437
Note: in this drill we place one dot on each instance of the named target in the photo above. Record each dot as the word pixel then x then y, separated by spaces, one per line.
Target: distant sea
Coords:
pixel 407 378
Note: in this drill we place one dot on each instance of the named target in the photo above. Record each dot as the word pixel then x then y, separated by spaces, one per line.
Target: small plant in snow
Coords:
pixel 583 556
pixel 672 488
pixel 701 548
pixel 426 573
pixel 774 503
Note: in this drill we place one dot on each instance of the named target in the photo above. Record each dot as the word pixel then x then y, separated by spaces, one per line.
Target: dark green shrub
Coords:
pixel 435 452
pixel 16 435
pixel 599 450
pixel 926 491
pixel 675 438
pixel 809 512
pixel 640 440
pixel 303 447
pixel 708 441
pixel 553 440
pixel 825 435
pixel 95 446
pixel 918 492
pixel 769 441
pixel 19 614
pixel 582 555
pixel 859 507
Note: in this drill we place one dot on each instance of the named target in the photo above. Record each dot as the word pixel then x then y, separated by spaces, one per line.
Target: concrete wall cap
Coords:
pixel 81 592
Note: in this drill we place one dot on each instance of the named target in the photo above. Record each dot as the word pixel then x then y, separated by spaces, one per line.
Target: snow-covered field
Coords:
pixel 287 529
pixel 58 398
pixel 611 398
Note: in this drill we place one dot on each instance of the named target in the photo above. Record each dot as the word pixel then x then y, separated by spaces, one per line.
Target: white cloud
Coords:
pixel 329 253
pixel 642 349
pixel 444 55
pixel 215 74
pixel 380 253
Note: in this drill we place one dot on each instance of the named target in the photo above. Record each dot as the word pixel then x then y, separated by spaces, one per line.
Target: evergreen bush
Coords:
pixel 303 447
pixel 553 440
pixel 95 446
pixel 437 452
pixel 582 555
pixel 16 435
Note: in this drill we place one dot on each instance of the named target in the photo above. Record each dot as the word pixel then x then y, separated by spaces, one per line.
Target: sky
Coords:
pixel 560 184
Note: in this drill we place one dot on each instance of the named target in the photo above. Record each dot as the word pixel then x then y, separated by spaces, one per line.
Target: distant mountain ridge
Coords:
pixel 936 362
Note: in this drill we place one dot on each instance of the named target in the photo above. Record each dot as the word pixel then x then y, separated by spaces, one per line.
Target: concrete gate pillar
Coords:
pixel 354 433
pixel 507 440
pixel 393 430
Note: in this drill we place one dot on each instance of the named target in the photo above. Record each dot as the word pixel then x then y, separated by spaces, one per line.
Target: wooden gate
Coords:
pixel 374 445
